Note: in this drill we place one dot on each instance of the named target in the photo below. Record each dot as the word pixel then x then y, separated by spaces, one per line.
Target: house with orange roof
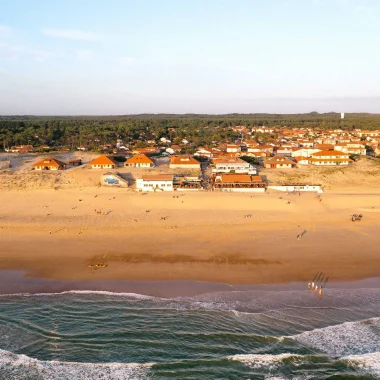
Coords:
pixel 184 162
pixel 155 182
pixel 49 163
pixel 278 162
pixel 139 161
pixel 103 162
pixel 329 158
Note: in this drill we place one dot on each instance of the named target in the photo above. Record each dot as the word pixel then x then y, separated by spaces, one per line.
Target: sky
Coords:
pixel 102 57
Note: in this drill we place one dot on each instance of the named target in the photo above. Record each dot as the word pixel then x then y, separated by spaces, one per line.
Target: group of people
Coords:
pixel 314 287
pixel 316 284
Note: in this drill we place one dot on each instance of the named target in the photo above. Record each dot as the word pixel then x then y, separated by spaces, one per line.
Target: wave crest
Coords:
pixel 348 338
pixel 22 366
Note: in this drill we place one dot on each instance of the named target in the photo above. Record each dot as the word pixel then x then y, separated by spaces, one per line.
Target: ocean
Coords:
pixel 244 334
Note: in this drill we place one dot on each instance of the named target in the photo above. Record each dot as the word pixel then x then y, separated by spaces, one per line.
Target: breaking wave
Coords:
pixel 349 338
pixel 366 362
pixel 13 366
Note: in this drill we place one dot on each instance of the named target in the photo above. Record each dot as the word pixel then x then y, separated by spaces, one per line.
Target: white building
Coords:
pixel 233 165
pixel 233 148
pixel 157 182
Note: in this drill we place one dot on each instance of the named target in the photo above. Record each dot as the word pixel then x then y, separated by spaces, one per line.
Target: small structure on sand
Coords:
pixel 113 180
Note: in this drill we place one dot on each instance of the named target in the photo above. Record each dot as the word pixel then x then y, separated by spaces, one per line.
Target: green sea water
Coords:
pixel 224 335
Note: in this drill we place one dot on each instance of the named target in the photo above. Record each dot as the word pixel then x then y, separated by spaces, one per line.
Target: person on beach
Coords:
pixel 320 292
pixel 309 286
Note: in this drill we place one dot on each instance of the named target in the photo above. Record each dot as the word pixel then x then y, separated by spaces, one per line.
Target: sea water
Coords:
pixel 248 334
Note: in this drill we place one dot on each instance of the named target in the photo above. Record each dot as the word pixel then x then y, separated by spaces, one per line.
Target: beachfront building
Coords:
pixel 239 183
pixel 184 162
pixel 157 182
pixel 103 162
pixel 329 158
pixel 351 148
pixel 278 162
pixel 183 183
pixel 49 163
pixel 139 161
pixel 233 165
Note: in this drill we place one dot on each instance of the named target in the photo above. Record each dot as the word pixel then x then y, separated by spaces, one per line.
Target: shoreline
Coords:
pixel 14 283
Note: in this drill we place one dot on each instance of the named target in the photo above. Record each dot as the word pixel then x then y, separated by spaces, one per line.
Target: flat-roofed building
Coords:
pixel 155 182
pixel 233 165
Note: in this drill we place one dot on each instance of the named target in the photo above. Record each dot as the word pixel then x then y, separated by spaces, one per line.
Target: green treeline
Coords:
pixel 93 132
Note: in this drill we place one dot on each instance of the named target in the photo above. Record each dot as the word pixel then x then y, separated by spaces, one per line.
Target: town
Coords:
pixel 244 162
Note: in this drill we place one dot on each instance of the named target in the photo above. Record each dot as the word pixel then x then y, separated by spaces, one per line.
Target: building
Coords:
pixel 103 162
pixel 329 158
pixel 140 161
pixel 148 151
pixel 157 182
pixel 239 183
pixel 233 165
pixel 278 162
pixel 21 149
pixel 74 162
pixel 187 183
pixel 49 164
pixel 184 162
pixel 233 148
pixel 351 148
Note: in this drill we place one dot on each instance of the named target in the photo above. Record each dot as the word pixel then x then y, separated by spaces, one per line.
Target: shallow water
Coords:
pixel 227 335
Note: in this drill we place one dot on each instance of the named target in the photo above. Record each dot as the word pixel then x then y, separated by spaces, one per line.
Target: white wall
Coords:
pixel 301 189
pixel 154 185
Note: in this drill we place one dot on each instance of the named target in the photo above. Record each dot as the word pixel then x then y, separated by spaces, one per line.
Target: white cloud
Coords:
pixel 126 60
pixel 14 53
pixel 84 55
pixel 73 34
pixel 4 30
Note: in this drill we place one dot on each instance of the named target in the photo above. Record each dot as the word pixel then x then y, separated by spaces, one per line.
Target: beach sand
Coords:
pixel 204 236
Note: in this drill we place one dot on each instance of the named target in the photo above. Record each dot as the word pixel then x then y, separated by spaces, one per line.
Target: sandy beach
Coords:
pixel 199 236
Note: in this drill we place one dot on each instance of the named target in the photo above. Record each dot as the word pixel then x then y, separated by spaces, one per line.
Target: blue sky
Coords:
pixel 203 56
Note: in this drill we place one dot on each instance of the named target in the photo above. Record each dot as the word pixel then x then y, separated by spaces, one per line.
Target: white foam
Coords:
pixel 15 365
pixel 83 292
pixel 269 362
pixel 349 338
pixel 367 362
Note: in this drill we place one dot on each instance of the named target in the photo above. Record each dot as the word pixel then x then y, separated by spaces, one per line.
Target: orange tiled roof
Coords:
pixel 329 160
pixel 139 158
pixel 157 177
pixel 183 160
pixel 329 153
pixel 103 160
pixel 48 161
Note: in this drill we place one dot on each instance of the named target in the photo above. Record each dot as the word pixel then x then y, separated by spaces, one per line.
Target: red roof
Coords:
pixel 48 161
pixel 139 158
pixel 103 160
pixel 183 160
